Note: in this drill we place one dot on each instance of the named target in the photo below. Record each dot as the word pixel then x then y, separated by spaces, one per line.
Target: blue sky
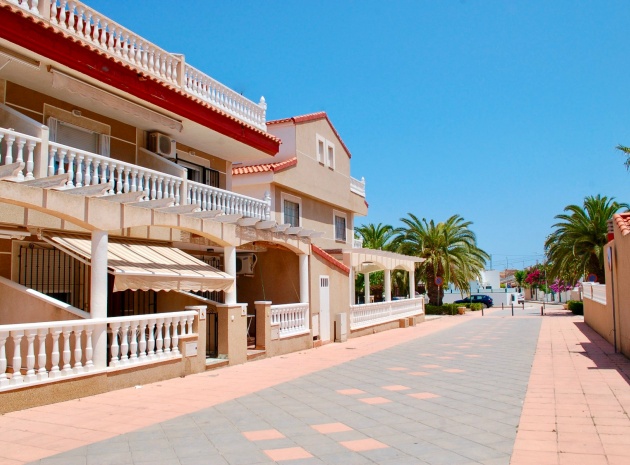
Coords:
pixel 501 111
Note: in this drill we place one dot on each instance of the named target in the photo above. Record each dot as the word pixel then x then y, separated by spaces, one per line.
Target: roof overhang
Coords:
pixel 142 266
pixel 369 260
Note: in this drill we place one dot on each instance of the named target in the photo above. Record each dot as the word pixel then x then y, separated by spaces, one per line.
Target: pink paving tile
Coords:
pixel 396 387
pixel 289 453
pixel 398 369
pixel 361 445
pixel 578 459
pixel 424 395
pixel 418 373
pixel 328 428
pixel 263 435
pixel 472 355
pixel 350 392
pixel 529 457
pixel 375 400
pixel 454 370
pixel 430 366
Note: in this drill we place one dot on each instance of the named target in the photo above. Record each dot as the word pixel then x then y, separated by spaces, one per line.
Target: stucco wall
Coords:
pixel 599 317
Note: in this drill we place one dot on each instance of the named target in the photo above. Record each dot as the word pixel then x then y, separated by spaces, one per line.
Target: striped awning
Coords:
pixel 144 266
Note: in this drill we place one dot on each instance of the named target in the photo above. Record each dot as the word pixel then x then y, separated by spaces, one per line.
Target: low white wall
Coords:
pixel 497 297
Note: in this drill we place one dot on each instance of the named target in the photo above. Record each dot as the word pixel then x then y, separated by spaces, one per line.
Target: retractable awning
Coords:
pixel 141 266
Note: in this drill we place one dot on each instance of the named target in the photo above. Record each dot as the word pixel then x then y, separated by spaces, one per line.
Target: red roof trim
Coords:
pixel 273 167
pixel 312 117
pixel 623 222
pixel 330 259
pixel 35 35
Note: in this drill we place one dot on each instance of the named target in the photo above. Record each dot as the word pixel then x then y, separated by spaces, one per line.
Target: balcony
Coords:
pixel 24 158
pixel 358 187
pixel 96 30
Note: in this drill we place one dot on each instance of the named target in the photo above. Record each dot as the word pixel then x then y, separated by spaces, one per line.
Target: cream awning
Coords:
pixel 369 260
pixel 141 266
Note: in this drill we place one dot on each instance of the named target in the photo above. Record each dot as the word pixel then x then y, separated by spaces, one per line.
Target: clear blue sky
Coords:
pixel 501 111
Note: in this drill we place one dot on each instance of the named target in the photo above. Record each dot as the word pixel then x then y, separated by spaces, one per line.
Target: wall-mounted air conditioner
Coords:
pixel 245 263
pixel 161 144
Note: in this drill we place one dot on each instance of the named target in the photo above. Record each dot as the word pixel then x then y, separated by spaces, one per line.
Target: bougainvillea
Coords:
pixel 560 286
pixel 533 278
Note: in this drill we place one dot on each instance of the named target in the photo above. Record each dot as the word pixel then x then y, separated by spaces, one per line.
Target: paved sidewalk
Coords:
pixel 448 391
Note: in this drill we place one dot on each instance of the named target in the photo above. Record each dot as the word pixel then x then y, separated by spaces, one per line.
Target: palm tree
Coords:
pixel 519 277
pixel 626 151
pixel 378 237
pixel 449 249
pixel 576 247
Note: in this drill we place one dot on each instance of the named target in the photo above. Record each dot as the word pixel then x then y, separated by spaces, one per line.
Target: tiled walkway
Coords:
pixel 448 391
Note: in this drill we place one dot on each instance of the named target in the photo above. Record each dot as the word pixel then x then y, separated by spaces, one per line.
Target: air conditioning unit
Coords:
pixel 161 144
pixel 245 263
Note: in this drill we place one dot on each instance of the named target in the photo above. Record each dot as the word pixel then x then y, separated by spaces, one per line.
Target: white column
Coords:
pixel 366 287
pixel 303 260
pixel 388 285
pixel 98 296
pixel 412 283
pixel 229 258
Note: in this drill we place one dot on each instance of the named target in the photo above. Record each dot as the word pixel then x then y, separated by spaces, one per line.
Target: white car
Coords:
pixel 520 298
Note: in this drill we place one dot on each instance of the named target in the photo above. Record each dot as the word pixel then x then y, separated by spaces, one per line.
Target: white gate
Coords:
pixel 324 308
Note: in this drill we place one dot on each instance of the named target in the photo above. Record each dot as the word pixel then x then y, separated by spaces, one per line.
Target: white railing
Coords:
pixel 358 187
pixel 595 292
pixel 365 315
pixel 85 169
pixel 209 90
pixel 33 353
pixel 357 243
pixel 90 26
pixel 293 319
pixel 134 340
pixel 212 198
pixel 17 147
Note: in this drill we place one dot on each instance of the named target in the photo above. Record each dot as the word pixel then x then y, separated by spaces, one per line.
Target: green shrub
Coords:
pixel 475 307
pixel 576 306
pixel 444 309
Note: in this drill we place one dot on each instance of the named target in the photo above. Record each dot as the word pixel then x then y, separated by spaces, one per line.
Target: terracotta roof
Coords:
pixel 141 74
pixel 311 117
pixel 623 222
pixel 330 259
pixel 274 167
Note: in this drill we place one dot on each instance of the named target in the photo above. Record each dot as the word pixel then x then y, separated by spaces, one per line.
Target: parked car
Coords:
pixel 520 299
pixel 477 299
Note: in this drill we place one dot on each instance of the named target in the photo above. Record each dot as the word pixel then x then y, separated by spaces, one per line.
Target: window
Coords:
pixel 291 213
pixel 330 158
pixel 321 155
pixel 340 227
pixel 75 136
pixel 200 174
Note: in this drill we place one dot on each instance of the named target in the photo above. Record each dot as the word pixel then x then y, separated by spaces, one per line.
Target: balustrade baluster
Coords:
pixel 151 59
pixel 125 182
pixel 175 335
pixel 79 172
pixel 119 181
pixel 146 177
pixel 4 381
pixel 167 335
pixel 71 16
pixel 142 341
pixel 54 11
pixel 134 180
pixel 160 180
pixel 174 71
pixel 133 341
pixel 151 342
pixel 71 156
pixel 54 355
pixel 30 356
pixel 66 354
pixel 153 186
pixel 159 341
pixel 169 68
pixel 124 342
pixel 80 24
pixel 78 350
pixel 89 363
pixel 42 374
pixel 8 157
pixel 16 377
pixel 114 347
pixel 20 156
pixel 104 173
pixel 189 327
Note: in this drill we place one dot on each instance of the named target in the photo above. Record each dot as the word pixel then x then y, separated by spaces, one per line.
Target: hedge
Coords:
pixel 576 306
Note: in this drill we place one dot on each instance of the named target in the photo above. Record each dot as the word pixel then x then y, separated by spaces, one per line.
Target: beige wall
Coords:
pixel 338 288
pixel 276 278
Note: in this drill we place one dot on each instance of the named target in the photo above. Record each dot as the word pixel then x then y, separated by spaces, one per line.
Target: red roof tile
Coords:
pixel 273 167
pixel 330 259
pixel 311 117
pixel 623 222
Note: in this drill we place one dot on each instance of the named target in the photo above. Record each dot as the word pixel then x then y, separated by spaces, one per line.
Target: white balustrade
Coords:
pixel 31 6
pixel 293 319
pixel 86 168
pixel 32 353
pixel 357 243
pixel 358 187
pixel 595 292
pixel 18 147
pixel 213 92
pixel 212 198
pixel 135 340
pixel 365 315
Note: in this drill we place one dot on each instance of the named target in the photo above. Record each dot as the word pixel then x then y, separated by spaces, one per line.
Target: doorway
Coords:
pixel 324 308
